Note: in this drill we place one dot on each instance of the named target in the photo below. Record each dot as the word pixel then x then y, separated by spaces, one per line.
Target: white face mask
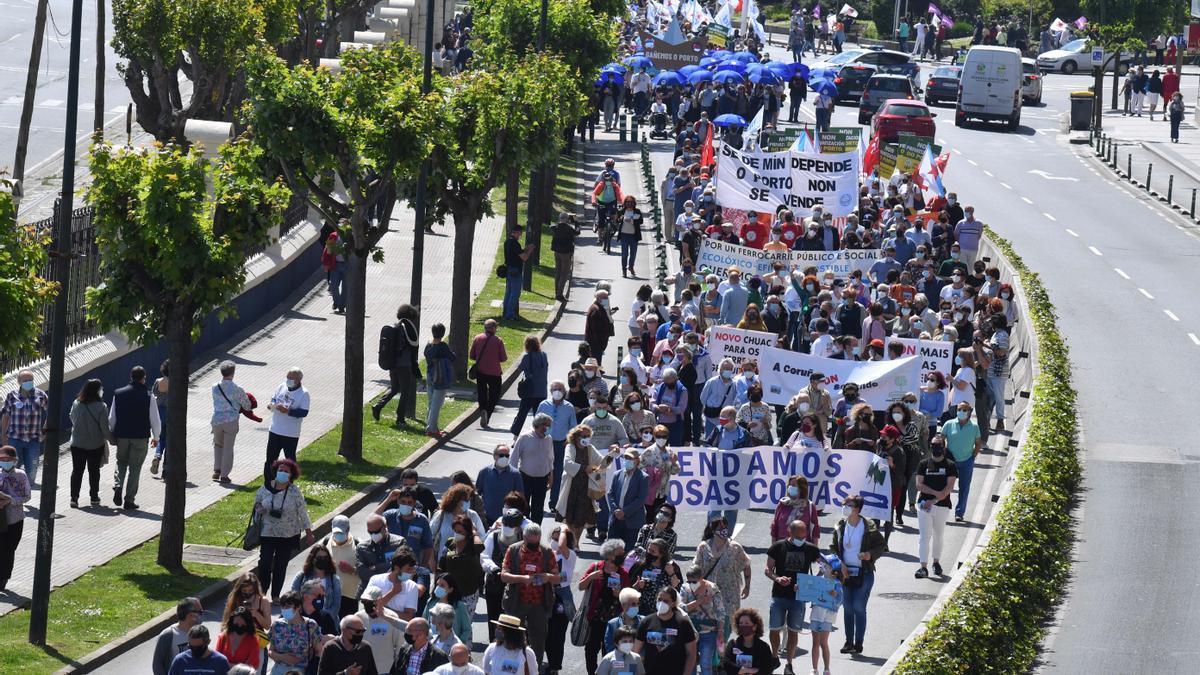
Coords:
pixel 660 442
pixel 585 441
pixel 635 407
pixel 626 647
pixel 502 462
pixel 898 416
pixel 647 436
pixel 846 511
pixel 662 607
pixel 556 395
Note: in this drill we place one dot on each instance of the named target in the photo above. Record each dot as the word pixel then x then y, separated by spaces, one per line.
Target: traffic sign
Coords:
pixel 1097 56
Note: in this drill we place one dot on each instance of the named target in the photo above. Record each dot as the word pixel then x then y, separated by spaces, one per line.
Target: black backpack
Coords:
pixel 388 337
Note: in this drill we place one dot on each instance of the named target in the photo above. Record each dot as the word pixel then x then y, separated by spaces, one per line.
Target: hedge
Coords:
pixel 994 620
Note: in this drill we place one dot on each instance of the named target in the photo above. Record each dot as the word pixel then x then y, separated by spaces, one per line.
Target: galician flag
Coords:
pixel 929 174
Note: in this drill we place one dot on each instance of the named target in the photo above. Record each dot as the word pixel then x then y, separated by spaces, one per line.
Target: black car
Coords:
pixel 943 85
pixel 852 80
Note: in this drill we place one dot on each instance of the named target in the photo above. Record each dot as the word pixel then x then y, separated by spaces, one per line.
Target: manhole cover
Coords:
pixel 908 596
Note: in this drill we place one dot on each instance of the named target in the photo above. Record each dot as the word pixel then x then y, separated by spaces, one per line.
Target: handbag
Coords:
pixel 715 411
pixel 253 535
pixel 523 388
pixel 104 457
pixel 581 626
pixel 501 272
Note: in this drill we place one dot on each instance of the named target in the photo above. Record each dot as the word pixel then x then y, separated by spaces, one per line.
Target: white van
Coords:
pixel 990 88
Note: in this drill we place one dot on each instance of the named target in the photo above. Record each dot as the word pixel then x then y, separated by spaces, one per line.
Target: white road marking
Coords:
pixel 988 173
pixel 1052 218
pixel 1123 275
pixel 972 162
pixel 957 151
pixel 737 528
pixel 1195 340
pixel 1047 176
pixel 1006 186
pixel 1146 293
pixel 1071 232
pixel 51 102
pixel 1027 200
pixel 11 39
pixel 1095 250
pixel 1170 314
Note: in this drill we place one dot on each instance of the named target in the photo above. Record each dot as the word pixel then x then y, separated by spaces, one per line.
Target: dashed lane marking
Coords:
pixel 1095 250
pixel 1071 232
pixel 1052 218
pixel 1122 273
pixel 1027 200
pixel 1146 293
pixel 1170 314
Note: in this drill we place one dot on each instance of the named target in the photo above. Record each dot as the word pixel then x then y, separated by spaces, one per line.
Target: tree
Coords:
pixel 23 260
pixel 496 120
pixel 204 41
pixel 171 254
pixel 371 127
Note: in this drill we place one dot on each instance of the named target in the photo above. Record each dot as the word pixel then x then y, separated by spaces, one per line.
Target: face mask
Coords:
pixel 687 269
pixel 660 442
pixel 292 384
pixel 198 652
pixel 846 511
pixel 282 477
pixel 376 536
pixel 340 537
pixel 27 385
pixel 963 415
pixel 406 576
pixel 797 542
pixel 647 436
pixel 905 311
pixel 1006 296
pixel 589 374
pixel 409 638
pixel 635 407
pixel 793 491
pixel 630 612
pixel 954 255
pixel 585 441
pixel 635 351
pixel 626 647
pixel 7 465
pixel 937 451
pixel 952 201
pixel 662 607
pixel 958 360
pixel 557 395
pixel 502 462
pixel 604 303
pixel 356 638
pixel 287 613
pixel 726 374
pixel 693 586
pixel 440 591
pixel 318 603
pixel 897 416
pixel 405 509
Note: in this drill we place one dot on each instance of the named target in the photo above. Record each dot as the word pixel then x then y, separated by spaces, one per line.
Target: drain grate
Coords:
pixel 924 597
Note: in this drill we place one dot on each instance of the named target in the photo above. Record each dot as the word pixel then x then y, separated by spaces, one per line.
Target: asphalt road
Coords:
pixel 49 117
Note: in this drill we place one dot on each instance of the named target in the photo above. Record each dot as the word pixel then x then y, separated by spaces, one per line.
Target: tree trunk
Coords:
pixel 31 80
pixel 171 534
pixel 98 109
pixel 460 289
pixel 355 286
pixel 512 200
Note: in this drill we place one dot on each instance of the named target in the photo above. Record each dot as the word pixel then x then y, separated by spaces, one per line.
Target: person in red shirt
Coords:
pixel 488 353
pixel 789 229
pixel 1170 84
pixel 755 233
pixel 237 640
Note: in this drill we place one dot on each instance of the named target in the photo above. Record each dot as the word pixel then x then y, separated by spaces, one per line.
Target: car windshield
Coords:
pixel 946 71
pixel 844 57
pixel 1029 68
pixel 890 84
pixel 906 110
pixel 1075 46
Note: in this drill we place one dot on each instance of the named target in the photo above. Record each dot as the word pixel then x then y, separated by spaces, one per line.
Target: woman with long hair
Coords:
pixel 456 501
pixel 89 436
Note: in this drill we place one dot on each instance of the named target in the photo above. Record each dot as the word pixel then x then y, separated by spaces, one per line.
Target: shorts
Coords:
pixel 820 626
pixel 1152 99
pixel 789 611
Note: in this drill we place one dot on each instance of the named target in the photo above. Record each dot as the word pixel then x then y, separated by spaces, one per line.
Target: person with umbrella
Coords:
pixel 640 85
pixel 826 99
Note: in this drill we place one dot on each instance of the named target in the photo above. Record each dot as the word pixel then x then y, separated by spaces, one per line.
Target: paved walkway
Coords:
pixel 1147 142
pixel 303 331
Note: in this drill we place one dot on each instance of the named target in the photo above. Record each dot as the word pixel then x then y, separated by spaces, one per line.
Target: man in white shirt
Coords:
pixel 385 630
pixel 289 405
pixel 640 85
pixel 399 592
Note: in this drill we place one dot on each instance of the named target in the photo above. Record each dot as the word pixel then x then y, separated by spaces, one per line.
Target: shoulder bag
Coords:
pixel 473 371
pixel 581 626
pixel 253 534
pixel 104 457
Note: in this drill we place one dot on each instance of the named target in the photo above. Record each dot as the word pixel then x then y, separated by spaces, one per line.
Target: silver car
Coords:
pixel 881 88
pixel 1074 56
pixel 1031 84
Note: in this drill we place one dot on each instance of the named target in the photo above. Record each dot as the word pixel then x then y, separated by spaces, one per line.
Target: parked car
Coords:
pixel 1031 86
pixel 881 88
pixel 1077 55
pixel 990 89
pixel 851 80
pixel 943 84
pixel 902 115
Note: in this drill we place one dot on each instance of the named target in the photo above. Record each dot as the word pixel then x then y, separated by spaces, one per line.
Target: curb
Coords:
pixel 320 528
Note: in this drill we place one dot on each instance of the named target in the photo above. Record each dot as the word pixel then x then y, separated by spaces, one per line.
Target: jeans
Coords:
pixel 965 469
pixel 822 119
pixel 528 404
pixel 706 649
pixel 400 382
pixel 560 451
pixel 487 390
pixel 995 387
pixel 436 398
pixel 81 458
pixel 629 247
pixel 535 491
pixel 131 453
pixel 10 538
pixel 162 436
pixel 855 609
pixel 512 292
pixel 337 290
pixel 675 429
pixel 28 453
pixel 277 443
pixel 602 514
pixel 273 556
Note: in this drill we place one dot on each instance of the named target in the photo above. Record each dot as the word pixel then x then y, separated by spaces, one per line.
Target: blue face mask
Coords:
pixel 406 576
pixel 282 477
pixel 631 612
pixel 292 384
pixel 439 591
pixel 797 542
pixel 793 491
pixel 287 613
pixel 27 385
pixel 963 415
pixel 7 465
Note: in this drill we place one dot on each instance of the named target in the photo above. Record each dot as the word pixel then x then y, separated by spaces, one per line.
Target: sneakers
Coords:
pixel 216 476
pixel 857 649
pixel 74 503
pixel 787 670
pixel 131 506
pixel 958 518
pixel 154 466
pixel 922 573
pixel 95 503
pixel 937 568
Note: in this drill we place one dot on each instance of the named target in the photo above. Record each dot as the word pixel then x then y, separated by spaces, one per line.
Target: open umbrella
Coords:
pixel 615 66
pixel 801 70
pixel 699 76
pixel 639 62
pixel 744 57
pixel 728 77
pixel 822 74
pixel 729 119
pixel 688 70
pixel 668 78
pixel 733 66
pixel 609 76
pixel 825 87
pixel 721 54
pixel 783 70
pixel 765 76
pixel 709 62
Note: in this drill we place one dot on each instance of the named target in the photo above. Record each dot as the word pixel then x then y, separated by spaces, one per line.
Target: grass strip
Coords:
pixel 994 620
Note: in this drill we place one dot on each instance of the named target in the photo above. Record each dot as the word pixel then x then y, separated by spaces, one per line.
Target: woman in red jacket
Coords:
pixel 238 641
pixel 796 505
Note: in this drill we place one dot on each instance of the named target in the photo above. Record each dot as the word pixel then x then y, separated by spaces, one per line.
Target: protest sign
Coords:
pixel 756 478
pixel 835 140
pixel 933 354
pixel 783 373
pixel 737 345
pixel 719 256
pixel 718 35
pixel 830 180
pixel 756 181
pixel 818 590
pixel 781 139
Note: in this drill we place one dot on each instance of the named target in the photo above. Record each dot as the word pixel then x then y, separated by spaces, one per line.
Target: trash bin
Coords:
pixel 1081 110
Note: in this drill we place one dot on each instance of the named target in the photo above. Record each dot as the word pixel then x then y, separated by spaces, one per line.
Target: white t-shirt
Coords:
pixel 448 669
pixel 967 394
pixel 852 537
pixel 283 424
pixel 952 295
pixel 500 660
pixel 823 346
pixel 403 601
pixel 635 310
pixel 566 567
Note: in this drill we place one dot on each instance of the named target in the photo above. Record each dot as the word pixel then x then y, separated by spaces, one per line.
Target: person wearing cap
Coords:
pixel 384 629
pixel 964 443
pixel 509 653
pixel 533 456
pixel 530 572
pixel 627 499
pixel 419 655
pixel 562 242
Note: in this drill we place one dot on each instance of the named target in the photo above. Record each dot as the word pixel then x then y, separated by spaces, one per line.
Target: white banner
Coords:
pixel 934 355
pixel 784 373
pixel 756 478
pixel 719 256
pixel 737 345
pixel 752 181
pixel 828 180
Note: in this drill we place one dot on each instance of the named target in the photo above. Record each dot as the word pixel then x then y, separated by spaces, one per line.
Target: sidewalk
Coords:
pixel 302 332
pixel 1142 146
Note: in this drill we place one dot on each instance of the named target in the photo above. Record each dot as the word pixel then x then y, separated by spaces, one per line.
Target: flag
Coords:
pixel 1081 22
pixel 752 16
pixel 706 150
pixel 806 143
pixel 1195 8
pixel 847 10
pixel 928 176
pixel 941 162
pixel 750 136
pixel 871 156
pixel 1058 25
pixel 816 11
pixel 722 17
pixel 942 18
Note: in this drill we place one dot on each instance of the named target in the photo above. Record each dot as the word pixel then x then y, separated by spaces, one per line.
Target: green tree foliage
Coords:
pixel 172 253
pixel 203 41
pixel 495 121
pixel 23 261
pixel 370 127
pixel 575 32
pixel 1133 23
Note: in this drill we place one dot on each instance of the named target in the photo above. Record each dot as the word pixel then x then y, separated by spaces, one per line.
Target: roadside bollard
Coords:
pixel 1128 169
pixel 621 127
pixel 1170 187
pixel 1149 172
pixel 633 124
pixel 1192 212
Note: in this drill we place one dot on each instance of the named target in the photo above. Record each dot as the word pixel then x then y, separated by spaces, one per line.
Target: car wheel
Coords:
pixel 1038 100
pixel 929 101
pixel 960 121
pixel 1069 67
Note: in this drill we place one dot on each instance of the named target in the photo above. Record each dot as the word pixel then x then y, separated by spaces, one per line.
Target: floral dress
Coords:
pixel 727 573
pixel 296 639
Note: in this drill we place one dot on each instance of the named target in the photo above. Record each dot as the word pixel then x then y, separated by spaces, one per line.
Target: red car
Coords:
pixel 901 114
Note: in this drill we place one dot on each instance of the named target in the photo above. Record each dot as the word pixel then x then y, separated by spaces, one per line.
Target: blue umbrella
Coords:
pixel 733 66
pixel 824 87
pixel 745 57
pixel 728 77
pixel 709 62
pixel 639 62
pixel 721 54
pixel 729 119
pixel 615 66
pixel 688 70
pixel 667 78
pixel 822 74
pixel 783 70
pixel 765 76
pixel 699 76
pixel 612 77
pixel 801 70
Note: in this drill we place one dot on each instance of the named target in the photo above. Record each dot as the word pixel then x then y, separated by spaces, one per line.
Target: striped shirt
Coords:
pixel 26 414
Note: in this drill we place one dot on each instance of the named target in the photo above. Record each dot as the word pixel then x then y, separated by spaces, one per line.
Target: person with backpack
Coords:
pixel 398 356
pixel 439 362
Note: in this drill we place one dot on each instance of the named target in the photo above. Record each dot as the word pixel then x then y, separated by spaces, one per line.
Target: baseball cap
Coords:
pixel 341 524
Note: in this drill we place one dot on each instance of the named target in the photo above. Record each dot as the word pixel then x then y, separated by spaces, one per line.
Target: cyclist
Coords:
pixel 607 196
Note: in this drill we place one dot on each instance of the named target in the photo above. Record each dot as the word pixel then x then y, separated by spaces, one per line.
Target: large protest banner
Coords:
pixel 752 181
pixel 934 355
pixel 719 256
pixel 756 478
pixel 737 345
pixel 783 373
pixel 828 180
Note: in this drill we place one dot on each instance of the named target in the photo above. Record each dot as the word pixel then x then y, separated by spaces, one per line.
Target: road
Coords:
pixel 49 118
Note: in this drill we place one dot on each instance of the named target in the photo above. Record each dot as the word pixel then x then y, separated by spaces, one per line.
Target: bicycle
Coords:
pixel 605 227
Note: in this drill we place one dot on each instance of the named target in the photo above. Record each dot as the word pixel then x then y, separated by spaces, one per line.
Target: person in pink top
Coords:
pixel 487 351
pixel 796 506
